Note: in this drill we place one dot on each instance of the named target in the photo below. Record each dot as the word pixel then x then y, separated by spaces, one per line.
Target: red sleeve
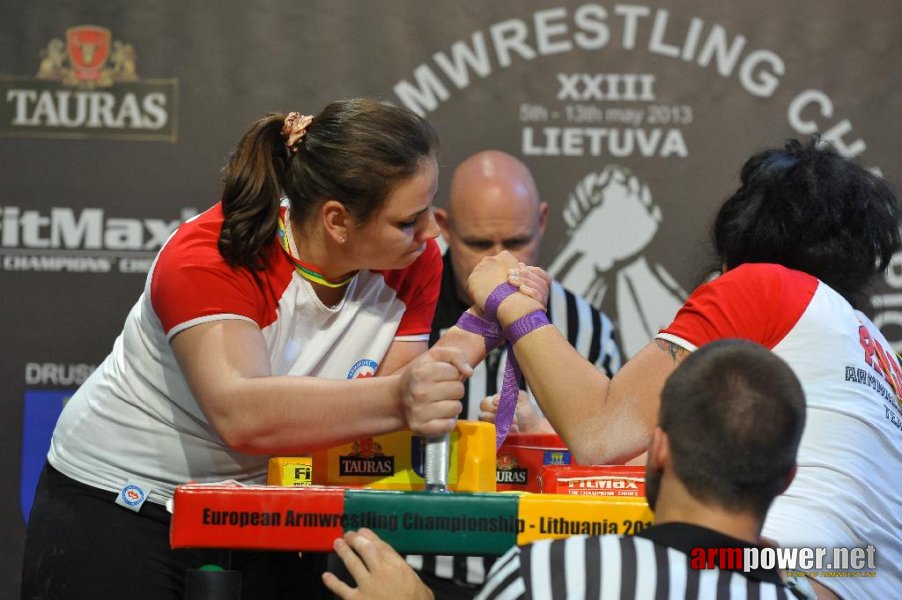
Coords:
pixel 757 302
pixel 191 282
pixel 418 287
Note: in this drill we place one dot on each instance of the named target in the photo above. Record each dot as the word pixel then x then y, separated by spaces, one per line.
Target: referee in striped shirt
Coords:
pixel 730 421
pixel 494 205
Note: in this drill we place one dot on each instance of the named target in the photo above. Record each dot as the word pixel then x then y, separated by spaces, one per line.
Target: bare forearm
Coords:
pixel 286 415
pixel 570 391
pixel 601 421
pixel 227 367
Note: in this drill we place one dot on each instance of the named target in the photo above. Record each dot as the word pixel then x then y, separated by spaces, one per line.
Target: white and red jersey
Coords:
pixel 848 490
pixel 134 418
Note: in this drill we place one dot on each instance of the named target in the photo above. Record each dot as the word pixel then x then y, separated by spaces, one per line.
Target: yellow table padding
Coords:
pixel 544 516
pixel 394 461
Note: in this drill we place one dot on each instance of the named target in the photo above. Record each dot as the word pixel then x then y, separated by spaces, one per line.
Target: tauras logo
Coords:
pixel 511 476
pixel 357 465
pixel 508 470
pixel 88 86
pixel 366 458
pixel 89 229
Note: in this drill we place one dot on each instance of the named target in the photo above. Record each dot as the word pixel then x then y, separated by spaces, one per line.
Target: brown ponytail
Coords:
pixel 251 193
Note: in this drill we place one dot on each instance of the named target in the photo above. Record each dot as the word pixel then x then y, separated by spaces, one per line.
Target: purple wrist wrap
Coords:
pixel 525 324
pixel 490 331
pixel 495 298
pixel 507 401
pixel 510 387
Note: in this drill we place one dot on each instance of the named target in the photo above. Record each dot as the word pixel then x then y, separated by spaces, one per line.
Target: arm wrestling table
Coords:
pixel 378 482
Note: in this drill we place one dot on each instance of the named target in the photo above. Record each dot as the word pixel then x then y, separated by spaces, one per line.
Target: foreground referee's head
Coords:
pixel 732 416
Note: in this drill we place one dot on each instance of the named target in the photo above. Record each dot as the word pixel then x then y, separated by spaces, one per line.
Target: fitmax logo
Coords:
pixel 91 229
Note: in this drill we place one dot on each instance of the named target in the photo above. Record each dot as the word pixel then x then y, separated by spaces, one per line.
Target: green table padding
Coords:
pixel 421 521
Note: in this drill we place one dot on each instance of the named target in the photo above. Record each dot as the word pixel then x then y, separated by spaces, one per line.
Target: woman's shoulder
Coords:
pixel 191 278
pixel 196 240
pixel 767 272
pixel 768 282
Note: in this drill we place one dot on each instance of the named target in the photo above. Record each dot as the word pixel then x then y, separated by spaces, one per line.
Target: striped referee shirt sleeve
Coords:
pixel 505 580
pixel 615 567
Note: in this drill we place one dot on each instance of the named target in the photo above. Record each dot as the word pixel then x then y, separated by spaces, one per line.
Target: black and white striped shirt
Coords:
pixel 585 327
pixel 627 568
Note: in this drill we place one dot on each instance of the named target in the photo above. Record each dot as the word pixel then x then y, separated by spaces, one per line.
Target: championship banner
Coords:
pixel 311 518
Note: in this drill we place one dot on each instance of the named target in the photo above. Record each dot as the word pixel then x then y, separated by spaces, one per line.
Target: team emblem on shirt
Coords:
pixel 365 367
pixel 132 495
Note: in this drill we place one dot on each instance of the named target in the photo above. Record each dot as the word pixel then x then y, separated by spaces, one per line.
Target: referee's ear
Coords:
pixel 444 223
pixel 659 458
pixel 789 477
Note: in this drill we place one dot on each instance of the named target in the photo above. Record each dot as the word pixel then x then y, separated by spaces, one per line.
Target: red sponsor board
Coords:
pixel 595 480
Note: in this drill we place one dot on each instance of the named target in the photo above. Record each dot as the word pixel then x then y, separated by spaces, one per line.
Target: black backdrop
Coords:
pixel 116 118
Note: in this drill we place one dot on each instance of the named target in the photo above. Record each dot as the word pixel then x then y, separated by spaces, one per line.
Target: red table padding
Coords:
pixel 256 517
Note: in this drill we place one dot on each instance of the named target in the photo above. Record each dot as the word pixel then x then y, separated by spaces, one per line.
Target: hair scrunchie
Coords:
pixel 294 128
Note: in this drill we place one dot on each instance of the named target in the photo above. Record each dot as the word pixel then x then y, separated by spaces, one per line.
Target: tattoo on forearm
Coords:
pixel 676 352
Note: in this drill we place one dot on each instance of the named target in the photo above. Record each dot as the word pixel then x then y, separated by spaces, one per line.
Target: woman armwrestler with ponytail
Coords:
pixel 291 316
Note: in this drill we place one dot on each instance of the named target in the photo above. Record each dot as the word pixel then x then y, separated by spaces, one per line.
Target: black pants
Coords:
pixel 82 546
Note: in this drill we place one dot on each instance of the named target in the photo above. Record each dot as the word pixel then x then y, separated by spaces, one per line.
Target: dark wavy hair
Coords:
pixel 806 207
pixel 734 413
pixel 354 151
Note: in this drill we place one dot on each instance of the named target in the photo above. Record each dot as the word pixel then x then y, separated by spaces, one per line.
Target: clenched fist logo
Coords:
pixel 612 218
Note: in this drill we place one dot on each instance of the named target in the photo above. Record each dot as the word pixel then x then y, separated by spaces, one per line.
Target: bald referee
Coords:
pixel 494 205
pixel 729 426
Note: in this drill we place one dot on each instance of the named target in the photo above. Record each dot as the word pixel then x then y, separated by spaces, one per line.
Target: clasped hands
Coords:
pixel 534 285
pixel 432 384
